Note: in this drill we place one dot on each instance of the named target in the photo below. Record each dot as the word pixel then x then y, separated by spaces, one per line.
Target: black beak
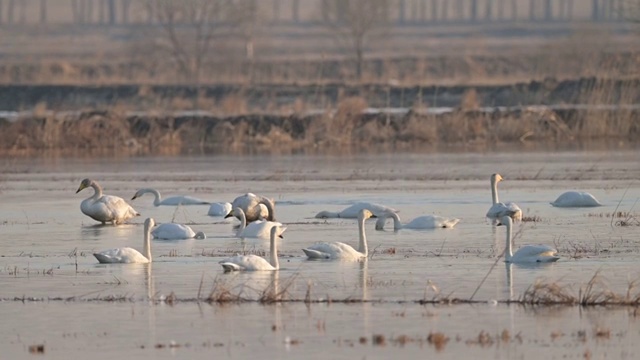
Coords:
pixel 280 236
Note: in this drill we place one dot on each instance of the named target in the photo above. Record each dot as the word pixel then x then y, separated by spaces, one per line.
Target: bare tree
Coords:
pixel 356 22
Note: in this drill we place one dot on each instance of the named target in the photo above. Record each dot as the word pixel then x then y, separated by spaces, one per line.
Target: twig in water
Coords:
pixel 619 202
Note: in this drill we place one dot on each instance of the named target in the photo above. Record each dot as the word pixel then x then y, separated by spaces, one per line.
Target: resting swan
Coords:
pixel 254 262
pixel 498 208
pixel 129 255
pixel 220 209
pixel 576 199
pixel 527 253
pixel 171 231
pixel 353 211
pixel 105 208
pixel 256 229
pixel 339 250
pixel 250 204
pixel 419 223
pixel 173 200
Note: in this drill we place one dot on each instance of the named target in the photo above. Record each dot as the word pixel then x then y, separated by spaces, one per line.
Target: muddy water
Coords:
pixel 46 261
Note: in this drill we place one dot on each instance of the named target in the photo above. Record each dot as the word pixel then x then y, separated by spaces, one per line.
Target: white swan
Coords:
pixel 250 204
pixel 498 209
pixel 419 223
pixel 339 250
pixel 105 208
pixel 353 211
pixel 576 199
pixel 171 231
pixel 173 200
pixel 220 209
pixel 527 253
pixel 129 255
pixel 256 229
pixel 254 262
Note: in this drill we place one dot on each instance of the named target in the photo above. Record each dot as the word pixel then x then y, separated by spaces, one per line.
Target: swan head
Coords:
pixel 274 232
pixel 365 214
pixel 200 235
pixel 496 178
pixel 84 184
pixel 137 194
pixel 149 223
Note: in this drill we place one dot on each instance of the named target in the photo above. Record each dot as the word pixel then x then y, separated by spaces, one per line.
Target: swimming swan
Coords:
pixel 256 229
pixel 250 204
pixel 498 209
pixel 105 208
pixel 353 211
pixel 171 231
pixel 173 200
pixel 254 262
pixel 129 255
pixel 339 250
pixel 220 209
pixel 576 199
pixel 527 253
pixel 419 223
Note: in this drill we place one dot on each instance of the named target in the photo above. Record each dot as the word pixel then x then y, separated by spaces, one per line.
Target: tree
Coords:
pixel 356 22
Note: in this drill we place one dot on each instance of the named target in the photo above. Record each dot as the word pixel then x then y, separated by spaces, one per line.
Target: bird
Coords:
pixel 172 200
pixel 220 209
pixel 339 250
pixel 419 223
pixel 353 211
pixel 250 204
pixel 576 199
pixel 255 262
pixel 105 208
pixel 256 229
pixel 171 231
pixel 498 209
pixel 127 255
pixel 526 253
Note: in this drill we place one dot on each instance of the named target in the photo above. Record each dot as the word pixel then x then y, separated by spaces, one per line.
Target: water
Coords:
pixel 54 292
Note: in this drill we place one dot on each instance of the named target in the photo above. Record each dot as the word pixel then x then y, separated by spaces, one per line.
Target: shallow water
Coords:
pixel 46 247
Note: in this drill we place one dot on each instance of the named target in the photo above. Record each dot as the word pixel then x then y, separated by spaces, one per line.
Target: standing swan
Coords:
pixel 576 199
pixel 171 231
pixel 353 211
pixel 527 253
pixel 173 200
pixel 419 223
pixel 254 262
pixel 105 208
pixel 339 250
pixel 498 208
pixel 129 255
pixel 256 229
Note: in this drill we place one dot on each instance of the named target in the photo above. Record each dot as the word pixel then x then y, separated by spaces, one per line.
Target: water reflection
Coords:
pixel 95 231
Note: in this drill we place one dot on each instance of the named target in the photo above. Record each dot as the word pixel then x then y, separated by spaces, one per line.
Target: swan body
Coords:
pixel 576 199
pixel 220 209
pixel 172 201
pixel 419 223
pixel 498 209
pixel 353 211
pixel 250 204
pixel 527 253
pixel 171 231
pixel 105 208
pixel 256 229
pixel 339 250
pixel 254 262
pixel 129 255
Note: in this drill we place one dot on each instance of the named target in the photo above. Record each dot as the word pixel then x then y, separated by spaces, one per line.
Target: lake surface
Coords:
pixel 54 293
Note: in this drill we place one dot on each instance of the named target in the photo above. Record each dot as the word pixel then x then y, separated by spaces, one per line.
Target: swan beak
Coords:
pixel 80 188
pixel 230 214
pixel 280 236
pixel 134 197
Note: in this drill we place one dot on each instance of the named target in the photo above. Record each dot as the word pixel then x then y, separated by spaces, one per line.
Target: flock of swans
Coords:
pixel 257 220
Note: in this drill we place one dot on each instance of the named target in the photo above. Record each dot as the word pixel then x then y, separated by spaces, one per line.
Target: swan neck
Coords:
pixel 509 248
pixel 494 191
pixel 362 248
pixel 147 242
pixel 98 190
pixel 243 220
pixel 271 216
pixel 397 225
pixel 156 194
pixel 274 251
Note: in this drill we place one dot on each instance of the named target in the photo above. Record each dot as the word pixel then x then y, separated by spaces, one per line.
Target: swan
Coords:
pixel 256 229
pixel 497 210
pixel 221 209
pixel 254 262
pixel 576 199
pixel 250 204
pixel 129 255
pixel 173 200
pixel 419 223
pixel 353 211
pixel 171 231
pixel 105 208
pixel 339 250
pixel 527 253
